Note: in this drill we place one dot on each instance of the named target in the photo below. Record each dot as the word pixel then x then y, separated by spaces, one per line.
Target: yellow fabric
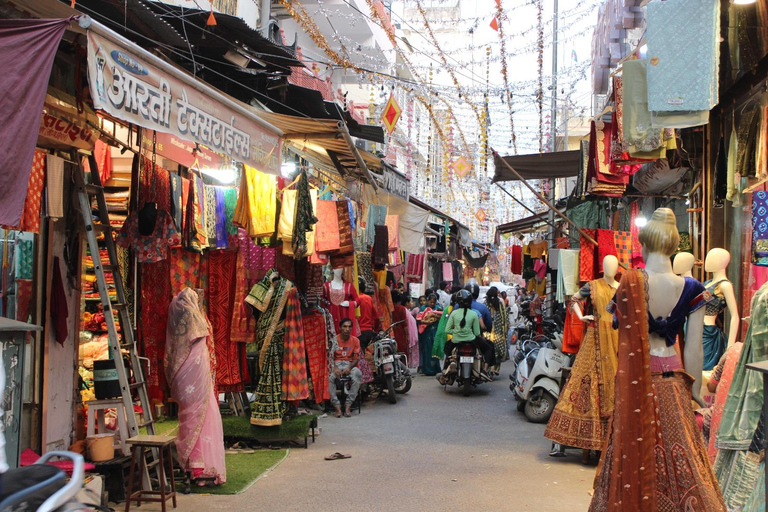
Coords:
pixel 256 203
pixel 538 250
pixel 288 217
pixel 380 276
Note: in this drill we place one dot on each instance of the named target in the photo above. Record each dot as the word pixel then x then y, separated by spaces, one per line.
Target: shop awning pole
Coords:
pixel 546 201
pixel 540 215
pixel 358 157
pixel 89 23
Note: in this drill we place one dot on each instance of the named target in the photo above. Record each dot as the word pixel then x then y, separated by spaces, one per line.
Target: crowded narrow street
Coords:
pixel 434 450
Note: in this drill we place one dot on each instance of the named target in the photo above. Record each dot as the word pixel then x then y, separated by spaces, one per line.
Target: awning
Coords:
pixel 523 224
pixel 325 143
pixel 539 166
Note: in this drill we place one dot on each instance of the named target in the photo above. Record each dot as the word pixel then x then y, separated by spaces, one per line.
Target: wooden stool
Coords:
pixel 139 446
pixel 97 410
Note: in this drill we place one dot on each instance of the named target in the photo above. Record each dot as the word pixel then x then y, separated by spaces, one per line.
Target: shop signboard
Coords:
pixel 395 183
pixel 133 90
pixel 68 133
pixel 183 152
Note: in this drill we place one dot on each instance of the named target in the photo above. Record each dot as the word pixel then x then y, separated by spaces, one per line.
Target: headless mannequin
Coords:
pixel 337 283
pixel 716 262
pixel 683 264
pixel 147 218
pixel 664 290
pixel 610 269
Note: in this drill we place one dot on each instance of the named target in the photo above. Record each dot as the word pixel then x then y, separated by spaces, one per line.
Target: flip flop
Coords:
pixel 338 456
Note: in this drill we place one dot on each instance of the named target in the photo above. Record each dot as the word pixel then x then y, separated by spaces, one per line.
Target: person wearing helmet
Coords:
pixel 464 325
pixel 486 320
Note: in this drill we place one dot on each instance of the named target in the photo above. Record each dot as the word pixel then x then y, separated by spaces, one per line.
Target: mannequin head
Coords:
pixel 660 235
pixel 717 259
pixel 683 264
pixel 610 266
pixel 337 272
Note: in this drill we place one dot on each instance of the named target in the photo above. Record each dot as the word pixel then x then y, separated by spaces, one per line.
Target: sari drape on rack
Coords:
pixel 256 203
pixel 269 299
pixel 221 292
pixel 736 465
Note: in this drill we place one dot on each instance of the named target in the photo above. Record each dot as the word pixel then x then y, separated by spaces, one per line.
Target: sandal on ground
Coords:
pixel 337 414
pixel 338 456
pixel 348 413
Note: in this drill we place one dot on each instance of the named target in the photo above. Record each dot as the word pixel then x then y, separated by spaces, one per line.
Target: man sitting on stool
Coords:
pixel 345 365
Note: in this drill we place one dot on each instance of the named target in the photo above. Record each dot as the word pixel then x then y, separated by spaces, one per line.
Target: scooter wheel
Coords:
pixel 520 406
pixel 540 411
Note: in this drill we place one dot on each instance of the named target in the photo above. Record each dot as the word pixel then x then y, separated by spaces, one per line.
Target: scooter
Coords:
pixel 536 380
pixel 43 487
pixel 390 366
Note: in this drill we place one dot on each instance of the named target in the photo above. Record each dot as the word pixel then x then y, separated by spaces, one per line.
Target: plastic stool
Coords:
pixel 96 412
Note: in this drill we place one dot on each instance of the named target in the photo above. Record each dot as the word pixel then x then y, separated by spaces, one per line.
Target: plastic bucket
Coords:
pixel 100 447
pixel 105 382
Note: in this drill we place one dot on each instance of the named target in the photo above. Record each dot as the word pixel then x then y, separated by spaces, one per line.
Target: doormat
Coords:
pixel 244 470
pixel 240 427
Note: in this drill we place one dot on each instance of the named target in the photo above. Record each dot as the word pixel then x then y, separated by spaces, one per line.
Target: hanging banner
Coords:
pixel 395 183
pixel 135 91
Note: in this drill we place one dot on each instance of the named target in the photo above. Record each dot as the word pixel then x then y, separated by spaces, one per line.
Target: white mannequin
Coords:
pixel 337 283
pixel 683 264
pixel 716 262
pixel 610 268
pixel 665 289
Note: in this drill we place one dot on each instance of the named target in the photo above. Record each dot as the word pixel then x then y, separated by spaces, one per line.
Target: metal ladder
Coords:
pixel 85 191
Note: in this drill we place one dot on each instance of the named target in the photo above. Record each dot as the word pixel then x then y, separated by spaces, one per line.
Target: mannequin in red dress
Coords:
pixel 342 297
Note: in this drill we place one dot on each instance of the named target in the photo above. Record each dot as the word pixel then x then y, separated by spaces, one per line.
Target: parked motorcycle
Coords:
pixel 469 363
pixel 390 367
pixel 43 487
pixel 536 378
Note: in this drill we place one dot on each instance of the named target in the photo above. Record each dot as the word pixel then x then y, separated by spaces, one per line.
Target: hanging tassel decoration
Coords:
pixel 211 18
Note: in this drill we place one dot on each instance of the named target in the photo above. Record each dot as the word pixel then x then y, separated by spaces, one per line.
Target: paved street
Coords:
pixel 432 451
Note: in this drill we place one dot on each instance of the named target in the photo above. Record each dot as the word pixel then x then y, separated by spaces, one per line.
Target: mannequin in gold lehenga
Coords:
pixel 654 456
pixel 580 418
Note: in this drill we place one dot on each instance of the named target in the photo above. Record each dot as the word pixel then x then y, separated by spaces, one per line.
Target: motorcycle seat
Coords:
pixel 30 486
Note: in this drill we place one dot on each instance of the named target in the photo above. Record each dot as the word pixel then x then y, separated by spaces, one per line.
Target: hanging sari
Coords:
pixel 732 356
pixel 413 340
pixel 736 466
pixel 294 382
pixel 200 441
pixel 581 416
pixel 654 457
pixel 498 334
pixel 269 298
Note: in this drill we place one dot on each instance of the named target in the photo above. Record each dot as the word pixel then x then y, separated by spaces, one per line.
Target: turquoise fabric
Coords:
pixel 683 54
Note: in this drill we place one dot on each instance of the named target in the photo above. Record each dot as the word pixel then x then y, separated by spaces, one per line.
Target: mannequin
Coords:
pixel 652 422
pixel 721 288
pixel 342 297
pixel 580 418
pixel 683 264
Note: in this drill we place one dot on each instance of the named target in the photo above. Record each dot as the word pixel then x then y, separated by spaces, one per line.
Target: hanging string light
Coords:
pixel 540 62
pixel 501 17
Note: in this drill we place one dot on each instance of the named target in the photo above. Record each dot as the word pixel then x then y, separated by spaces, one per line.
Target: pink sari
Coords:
pixel 721 395
pixel 413 341
pixel 200 442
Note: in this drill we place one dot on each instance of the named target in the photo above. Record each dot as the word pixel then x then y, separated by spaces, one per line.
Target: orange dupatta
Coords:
pixel 634 432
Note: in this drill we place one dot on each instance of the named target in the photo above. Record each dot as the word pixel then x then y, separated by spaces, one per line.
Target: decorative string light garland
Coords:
pixel 500 18
pixel 540 63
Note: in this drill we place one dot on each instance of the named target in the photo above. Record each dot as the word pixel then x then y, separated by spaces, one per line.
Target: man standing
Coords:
pixel 486 320
pixel 444 294
pixel 369 322
pixel 345 365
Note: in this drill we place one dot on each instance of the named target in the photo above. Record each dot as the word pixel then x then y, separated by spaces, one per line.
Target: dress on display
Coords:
pixel 200 440
pixel 713 337
pixel 335 297
pixel 269 298
pixel 736 465
pixel 654 457
pixel 581 416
